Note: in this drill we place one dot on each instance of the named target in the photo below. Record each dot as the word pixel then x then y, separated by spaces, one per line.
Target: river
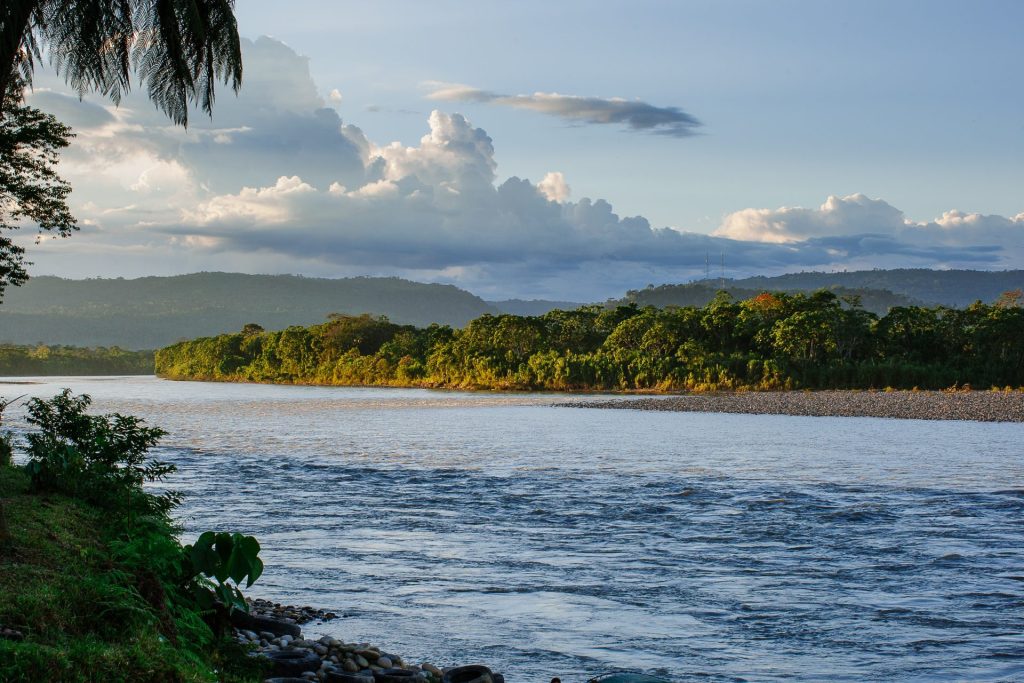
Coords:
pixel 484 527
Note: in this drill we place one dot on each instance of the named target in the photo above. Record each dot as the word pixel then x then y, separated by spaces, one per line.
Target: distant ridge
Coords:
pixel 879 290
pixel 151 312
pixel 701 293
pixel 956 288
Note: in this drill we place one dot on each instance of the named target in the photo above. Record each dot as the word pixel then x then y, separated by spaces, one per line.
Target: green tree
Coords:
pixel 178 49
pixel 30 188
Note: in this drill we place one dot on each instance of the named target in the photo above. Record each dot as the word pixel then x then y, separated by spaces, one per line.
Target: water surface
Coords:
pixel 456 527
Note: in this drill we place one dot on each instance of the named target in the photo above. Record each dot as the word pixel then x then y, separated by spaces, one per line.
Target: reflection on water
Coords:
pixel 460 527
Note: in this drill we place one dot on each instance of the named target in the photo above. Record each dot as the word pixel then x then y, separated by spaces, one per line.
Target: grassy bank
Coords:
pixel 92 586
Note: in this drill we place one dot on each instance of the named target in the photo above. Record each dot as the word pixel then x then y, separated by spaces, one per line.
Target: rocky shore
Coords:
pixel 982 406
pixel 273 631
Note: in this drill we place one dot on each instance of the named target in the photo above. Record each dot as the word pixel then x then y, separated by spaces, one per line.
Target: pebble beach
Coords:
pixel 981 406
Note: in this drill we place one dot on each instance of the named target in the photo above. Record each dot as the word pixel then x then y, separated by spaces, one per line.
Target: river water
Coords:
pixel 464 527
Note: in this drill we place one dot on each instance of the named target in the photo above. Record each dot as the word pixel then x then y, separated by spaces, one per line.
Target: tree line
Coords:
pixel 770 341
pixel 22 361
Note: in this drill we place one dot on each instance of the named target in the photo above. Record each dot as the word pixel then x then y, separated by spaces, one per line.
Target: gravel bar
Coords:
pixel 981 406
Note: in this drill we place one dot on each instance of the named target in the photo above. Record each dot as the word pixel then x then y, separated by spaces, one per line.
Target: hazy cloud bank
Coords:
pixel 277 182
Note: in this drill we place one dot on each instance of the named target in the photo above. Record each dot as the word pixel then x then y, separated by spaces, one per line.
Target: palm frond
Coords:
pixel 180 49
pixel 90 43
pixel 19 50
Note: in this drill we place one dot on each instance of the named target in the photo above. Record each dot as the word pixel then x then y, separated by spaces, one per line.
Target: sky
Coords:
pixel 568 150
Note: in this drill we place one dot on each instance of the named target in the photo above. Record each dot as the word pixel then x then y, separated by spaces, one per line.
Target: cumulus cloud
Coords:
pixel 634 114
pixel 793 224
pixel 858 219
pixel 335 96
pixel 554 187
pixel 277 182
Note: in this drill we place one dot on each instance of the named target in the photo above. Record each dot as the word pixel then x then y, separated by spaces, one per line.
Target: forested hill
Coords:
pixel 151 312
pixel 957 288
pixel 702 293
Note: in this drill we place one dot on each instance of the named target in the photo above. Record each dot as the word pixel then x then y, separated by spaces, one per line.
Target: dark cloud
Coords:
pixel 634 114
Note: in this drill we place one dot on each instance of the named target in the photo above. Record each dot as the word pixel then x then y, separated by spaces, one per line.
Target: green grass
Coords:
pixel 86 616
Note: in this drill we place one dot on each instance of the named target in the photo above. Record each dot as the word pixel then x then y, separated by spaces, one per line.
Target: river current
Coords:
pixel 463 527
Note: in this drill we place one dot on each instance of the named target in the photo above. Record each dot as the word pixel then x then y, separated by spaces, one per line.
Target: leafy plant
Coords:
pixel 102 458
pixel 218 563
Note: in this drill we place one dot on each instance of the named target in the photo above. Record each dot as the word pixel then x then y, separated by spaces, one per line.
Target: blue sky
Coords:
pixel 565 141
pixel 921 103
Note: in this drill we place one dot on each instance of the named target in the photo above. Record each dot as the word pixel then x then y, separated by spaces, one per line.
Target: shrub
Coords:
pixel 100 458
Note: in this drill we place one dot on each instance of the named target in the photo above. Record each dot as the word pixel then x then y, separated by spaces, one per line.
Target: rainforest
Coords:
pixel 770 341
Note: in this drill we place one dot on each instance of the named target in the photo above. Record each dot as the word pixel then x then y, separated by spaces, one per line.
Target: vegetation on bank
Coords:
pixel 94 585
pixel 771 341
pixel 29 361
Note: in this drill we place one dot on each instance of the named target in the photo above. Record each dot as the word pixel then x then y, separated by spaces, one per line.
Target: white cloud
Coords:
pixel 277 182
pixel 859 215
pixel 837 216
pixel 335 95
pixel 554 187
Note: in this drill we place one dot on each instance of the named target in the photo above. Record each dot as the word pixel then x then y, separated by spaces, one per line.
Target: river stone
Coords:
pixel 350 666
pixel 361 661
pixel 427 666
pixel 384 662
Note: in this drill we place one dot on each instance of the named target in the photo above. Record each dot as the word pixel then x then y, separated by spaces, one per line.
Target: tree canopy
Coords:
pixel 30 188
pixel 775 340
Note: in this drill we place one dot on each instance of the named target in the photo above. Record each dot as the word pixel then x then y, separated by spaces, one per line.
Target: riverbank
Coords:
pixel 980 406
pixel 274 631
pixel 75 606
